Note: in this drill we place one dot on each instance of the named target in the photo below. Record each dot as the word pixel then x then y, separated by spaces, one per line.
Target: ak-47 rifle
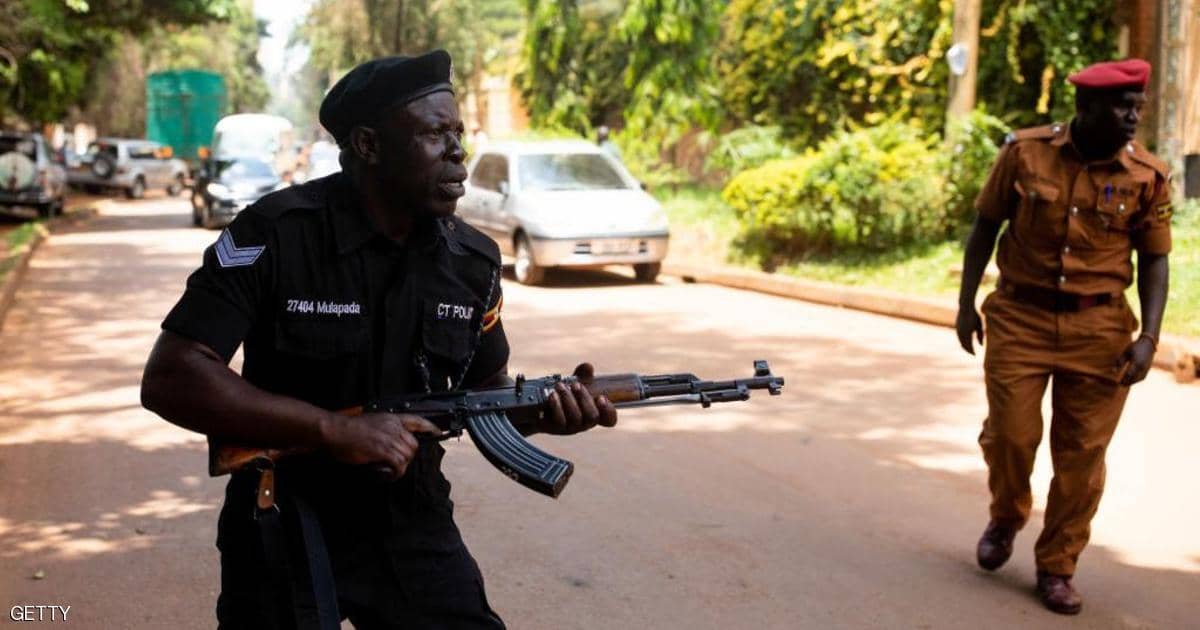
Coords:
pixel 481 412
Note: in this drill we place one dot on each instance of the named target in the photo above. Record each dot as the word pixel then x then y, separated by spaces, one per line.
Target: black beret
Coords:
pixel 372 87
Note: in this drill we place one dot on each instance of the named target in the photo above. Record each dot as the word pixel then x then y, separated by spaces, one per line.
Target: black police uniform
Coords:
pixel 330 311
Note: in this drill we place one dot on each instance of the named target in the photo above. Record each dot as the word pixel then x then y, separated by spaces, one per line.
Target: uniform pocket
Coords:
pixel 1038 198
pixel 319 339
pixel 448 327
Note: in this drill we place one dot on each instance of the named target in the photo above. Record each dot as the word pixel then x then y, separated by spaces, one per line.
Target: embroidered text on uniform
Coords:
pixel 454 311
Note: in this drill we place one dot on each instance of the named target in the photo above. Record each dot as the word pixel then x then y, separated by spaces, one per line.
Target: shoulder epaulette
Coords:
pixel 1045 132
pixel 477 241
pixel 1142 155
pixel 308 196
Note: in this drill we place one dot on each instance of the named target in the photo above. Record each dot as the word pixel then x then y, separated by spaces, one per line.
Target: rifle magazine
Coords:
pixel 502 445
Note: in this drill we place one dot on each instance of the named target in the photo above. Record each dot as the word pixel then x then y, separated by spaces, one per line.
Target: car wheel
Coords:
pixel 46 210
pixel 525 268
pixel 646 272
pixel 137 190
pixel 176 186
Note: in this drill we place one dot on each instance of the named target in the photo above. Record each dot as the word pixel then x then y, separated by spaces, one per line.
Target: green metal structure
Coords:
pixel 182 107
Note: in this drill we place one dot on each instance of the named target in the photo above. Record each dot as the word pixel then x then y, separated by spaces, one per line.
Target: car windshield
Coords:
pixel 96 148
pixel 243 168
pixel 568 171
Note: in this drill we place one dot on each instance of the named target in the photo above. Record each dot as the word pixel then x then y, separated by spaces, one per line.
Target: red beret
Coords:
pixel 1112 75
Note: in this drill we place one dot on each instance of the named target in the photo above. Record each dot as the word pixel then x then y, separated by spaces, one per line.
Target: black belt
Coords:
pixel 1055 300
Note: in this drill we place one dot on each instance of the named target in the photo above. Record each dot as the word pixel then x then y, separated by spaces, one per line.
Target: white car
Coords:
pixel 563 203
pixel 129 165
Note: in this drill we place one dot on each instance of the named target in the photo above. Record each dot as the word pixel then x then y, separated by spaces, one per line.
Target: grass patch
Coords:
pixel 11 246
pixel 705 231
pixel 1182 316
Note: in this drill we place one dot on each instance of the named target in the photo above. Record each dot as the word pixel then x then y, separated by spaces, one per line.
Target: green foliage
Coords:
pixel 972 147
pixel 573 69
pixel 672 89
pixel 748 147
pixel 868 189
pixel 641 66
pixel 340 34
pixel 1028 49
pixel 811 65
pixel 116 97
pixel 50 49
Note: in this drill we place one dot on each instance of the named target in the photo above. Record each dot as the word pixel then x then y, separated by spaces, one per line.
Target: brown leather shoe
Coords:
pixel 1057 594
pixel 995 545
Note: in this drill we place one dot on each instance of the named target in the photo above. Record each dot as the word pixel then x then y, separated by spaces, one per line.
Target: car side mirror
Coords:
pixel 502 187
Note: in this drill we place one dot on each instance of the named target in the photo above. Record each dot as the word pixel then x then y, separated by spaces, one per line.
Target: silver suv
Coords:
pixel 29 177
pixel 129 165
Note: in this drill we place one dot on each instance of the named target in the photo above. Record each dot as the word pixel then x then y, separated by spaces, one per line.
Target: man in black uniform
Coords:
pixel 342 290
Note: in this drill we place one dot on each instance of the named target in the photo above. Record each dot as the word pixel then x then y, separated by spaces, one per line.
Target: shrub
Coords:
pixel 746 148
pixel 867 189
pixel 974 143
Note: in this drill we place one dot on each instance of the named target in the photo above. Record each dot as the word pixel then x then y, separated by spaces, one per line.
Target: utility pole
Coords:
pixel 963 57
pixel 1142 41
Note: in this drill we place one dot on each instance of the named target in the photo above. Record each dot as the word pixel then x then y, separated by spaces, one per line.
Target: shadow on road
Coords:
pixel 830 506
pixel 563 278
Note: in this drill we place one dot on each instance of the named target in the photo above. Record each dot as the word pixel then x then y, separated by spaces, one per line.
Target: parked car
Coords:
pixel 563 204
pixel 225 187
pixel 30 180
pixel 131 166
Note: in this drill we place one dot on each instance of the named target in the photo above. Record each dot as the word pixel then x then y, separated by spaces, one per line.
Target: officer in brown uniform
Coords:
pixel 1078 198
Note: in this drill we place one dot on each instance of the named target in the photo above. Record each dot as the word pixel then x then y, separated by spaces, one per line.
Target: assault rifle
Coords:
pixel 481 413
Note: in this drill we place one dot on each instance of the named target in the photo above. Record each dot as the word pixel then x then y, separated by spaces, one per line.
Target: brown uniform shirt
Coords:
pixel 1072 224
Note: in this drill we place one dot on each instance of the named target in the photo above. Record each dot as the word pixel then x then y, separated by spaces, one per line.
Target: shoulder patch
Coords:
pixel 230 255
pixel 475 240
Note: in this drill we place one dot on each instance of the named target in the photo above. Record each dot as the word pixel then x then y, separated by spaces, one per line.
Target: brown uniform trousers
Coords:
pixel 1072 228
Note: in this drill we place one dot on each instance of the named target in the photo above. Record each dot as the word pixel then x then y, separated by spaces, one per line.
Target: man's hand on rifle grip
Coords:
pixel 382 439
pixel 574 409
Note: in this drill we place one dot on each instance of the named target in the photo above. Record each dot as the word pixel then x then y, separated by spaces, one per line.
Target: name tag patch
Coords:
pixel 323 307
pixel 454 311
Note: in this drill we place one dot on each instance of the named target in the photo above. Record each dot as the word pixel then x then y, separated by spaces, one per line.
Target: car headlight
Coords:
pixel 218 190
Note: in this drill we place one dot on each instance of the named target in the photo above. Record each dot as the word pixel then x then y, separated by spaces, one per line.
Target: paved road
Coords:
pixel 853 500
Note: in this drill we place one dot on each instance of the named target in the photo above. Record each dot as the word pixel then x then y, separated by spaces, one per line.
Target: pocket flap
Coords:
pixel 449 325
pixel 1035 190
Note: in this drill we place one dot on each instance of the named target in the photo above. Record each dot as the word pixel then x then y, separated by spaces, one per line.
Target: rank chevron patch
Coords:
pixel 230 255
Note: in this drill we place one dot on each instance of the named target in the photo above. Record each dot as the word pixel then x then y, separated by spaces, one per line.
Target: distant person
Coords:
pixel 1079 198
pixel 606 143
pixel 342 290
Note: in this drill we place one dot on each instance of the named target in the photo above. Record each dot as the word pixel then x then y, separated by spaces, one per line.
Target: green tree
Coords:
pixel 343 33
pixel 1028 48
pixel 669 75
pixel 50 49
pixel 812 65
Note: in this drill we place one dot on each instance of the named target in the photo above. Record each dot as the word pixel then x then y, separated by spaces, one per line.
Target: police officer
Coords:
pixel 346 288
pixel 1078 199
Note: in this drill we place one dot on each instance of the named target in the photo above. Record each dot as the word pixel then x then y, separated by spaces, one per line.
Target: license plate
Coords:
pixel 613 246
